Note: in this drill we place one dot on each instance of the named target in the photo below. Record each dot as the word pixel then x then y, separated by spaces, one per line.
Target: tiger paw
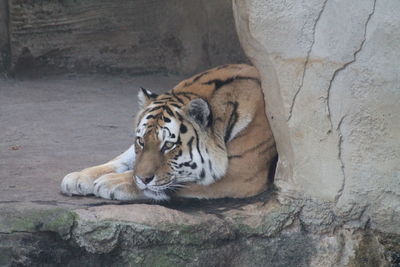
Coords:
pixel 77 183
pixel 118 186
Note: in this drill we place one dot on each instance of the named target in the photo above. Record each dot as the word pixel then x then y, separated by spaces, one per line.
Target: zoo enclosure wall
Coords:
pixel 107 36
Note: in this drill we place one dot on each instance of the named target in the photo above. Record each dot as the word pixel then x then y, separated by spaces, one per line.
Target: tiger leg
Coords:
pixel 120 186
pixel 82 182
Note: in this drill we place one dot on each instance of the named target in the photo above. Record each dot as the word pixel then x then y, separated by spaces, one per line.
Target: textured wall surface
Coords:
pixel 132 36
pixel 4 45
pixel 332 87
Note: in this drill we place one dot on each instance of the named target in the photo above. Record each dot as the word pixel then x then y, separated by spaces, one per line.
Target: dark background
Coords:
pixel 117 36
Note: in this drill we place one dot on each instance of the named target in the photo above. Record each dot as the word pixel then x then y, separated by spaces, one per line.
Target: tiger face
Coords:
pixel 173 145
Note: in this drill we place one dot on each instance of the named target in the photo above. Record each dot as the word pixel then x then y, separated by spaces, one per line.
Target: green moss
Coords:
pixel 5 256
pixel 170 256
pixel 391 244
pixel 368 253
pixel 36 219
pixel 271 224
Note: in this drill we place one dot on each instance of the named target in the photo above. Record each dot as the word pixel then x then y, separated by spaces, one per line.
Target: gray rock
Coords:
pixel 331 89
pixel 254 234
pixel 332 92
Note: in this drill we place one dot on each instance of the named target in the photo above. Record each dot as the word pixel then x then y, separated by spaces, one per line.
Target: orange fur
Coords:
pixel 234 138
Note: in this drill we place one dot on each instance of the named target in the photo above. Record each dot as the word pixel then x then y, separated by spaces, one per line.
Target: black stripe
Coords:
pixel 175 105
pixel 150 117
pixel 229 66
pixel 232 120
pixel 154 109
pixel 177 156
pixel 267 149
pixel 187 97
pixel 187 93
pixel 153 116
pixel 200 75
pixel 196 78
pixel 183 128
pixel 179 116
pixel 202 174
pixel 190 147
pixel 169 111
pixel 249 150
pixel 166 98
pixel 197 145
pixel 210 165
pixel 163 107
pixel 210 118
pixel 190 164
pixel 177 98
pixel 166 128
pixel 219 83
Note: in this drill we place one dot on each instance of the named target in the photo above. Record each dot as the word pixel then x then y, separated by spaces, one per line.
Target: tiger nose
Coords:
pixel 147 179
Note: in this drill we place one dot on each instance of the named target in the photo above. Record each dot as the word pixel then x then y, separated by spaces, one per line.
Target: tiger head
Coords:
pixel 174 143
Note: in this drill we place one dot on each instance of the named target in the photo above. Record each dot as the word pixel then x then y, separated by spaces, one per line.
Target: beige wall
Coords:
pixel 331 80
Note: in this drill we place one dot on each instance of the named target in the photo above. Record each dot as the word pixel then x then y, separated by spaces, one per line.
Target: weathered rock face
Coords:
pixel 132 36
pixel 332 88
pixel 251 234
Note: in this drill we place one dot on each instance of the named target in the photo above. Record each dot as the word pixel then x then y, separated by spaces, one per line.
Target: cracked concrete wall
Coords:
pixel 332 89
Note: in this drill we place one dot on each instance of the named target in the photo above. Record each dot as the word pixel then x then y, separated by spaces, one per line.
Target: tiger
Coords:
pixel 207 138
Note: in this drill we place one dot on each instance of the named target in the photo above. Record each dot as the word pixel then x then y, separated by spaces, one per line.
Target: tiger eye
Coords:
pixel 168 145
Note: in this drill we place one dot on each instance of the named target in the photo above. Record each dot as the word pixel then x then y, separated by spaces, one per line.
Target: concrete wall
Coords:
pixel 4 44
pixel 132 36
pixel 332 87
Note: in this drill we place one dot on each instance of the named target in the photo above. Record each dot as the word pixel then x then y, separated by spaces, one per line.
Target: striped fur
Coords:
pixel 206 138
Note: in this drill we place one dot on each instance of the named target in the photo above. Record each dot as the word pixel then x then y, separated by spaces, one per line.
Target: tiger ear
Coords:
pixel 145 97
pixel 199 111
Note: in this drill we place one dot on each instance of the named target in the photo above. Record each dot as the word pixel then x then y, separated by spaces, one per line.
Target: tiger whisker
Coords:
pixel 180 186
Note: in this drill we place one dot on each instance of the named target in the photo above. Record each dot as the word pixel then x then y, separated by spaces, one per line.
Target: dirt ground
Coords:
pixel 50 126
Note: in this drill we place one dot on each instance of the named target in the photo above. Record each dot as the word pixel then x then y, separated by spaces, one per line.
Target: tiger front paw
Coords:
pixel 118 186
pixel 77 183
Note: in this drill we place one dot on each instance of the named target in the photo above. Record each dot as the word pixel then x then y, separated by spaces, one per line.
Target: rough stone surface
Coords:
pixel 259 232
pixel 133 36
pixel 332 92
pixel 4 42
